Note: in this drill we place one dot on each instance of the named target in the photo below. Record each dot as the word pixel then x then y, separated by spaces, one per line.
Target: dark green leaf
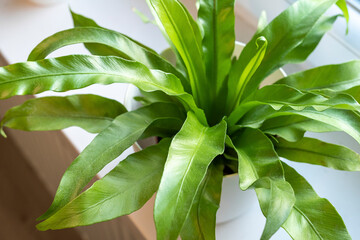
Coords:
pixel 201 222
pixel 124 190
pixel 106 146
pixel 191 152
pixel 90 112
pixel 314 151
pixel 312 217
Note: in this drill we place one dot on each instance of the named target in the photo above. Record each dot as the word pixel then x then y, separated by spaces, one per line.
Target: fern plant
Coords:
pixel 209 111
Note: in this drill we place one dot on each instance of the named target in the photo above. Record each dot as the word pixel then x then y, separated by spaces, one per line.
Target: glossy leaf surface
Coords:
pixel 218 21
pixel 260 167
pixel 79 71
pixel 105 147
pixel 201 222
pixel 312 217
pixel 282 39
pixel 314 151
pixel 344 120
pixel 90 112
pixel 178 25
pixel 191 151
pixel 337 77
pixel 278 96
pixel 121 43
pixel 122 191
pixel 293 128
pixel 100 49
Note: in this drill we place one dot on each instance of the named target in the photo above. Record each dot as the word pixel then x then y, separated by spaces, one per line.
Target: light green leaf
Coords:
pixel 79 71
pixel 250 69
pixel 337 77
pixel 106 146
pixel 278 96
pixel 282 39
pixel 217 20
pixel 345 120
pixel 191 152
pixel 255 160
pixel 121 43
pixel 276 198
pixel 178 25
pixel 100 49
pixel 201 221
pixel 262 23
pixel 260 167
pixel 122 191
pixel 310 42
pixel 90 112
pixel 314 151
pixel 293 128
pixel 142 16
pixel 343 7
pixel 312 217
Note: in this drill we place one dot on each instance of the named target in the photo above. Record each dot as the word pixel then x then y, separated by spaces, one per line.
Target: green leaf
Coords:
pixel 201 221
pixel 310 42
pixel 250 69
pixel 121 43
pixel 312 217
pixel 343 7
pixel 191 152
pixel 90 112
pixel 278 96
pixel 79 71
pixel 345 120
pixel 293 128
pixel 260 167
pixel 100 49
pixel 255 160
pixel 303 15
pixel 142 16
pixel 314 151
pixel 262 23
pixel 122 191
pixel 180 29
pixel 276 198
pixel 217 20
pixel 336 77
pixel 106 146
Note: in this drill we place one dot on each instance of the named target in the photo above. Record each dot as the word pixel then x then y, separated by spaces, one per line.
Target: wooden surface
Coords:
pixel 31 167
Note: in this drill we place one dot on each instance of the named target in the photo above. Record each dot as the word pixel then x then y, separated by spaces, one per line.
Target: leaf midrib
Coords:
pixel 85 73
pixel 308 221
pixel 200 140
